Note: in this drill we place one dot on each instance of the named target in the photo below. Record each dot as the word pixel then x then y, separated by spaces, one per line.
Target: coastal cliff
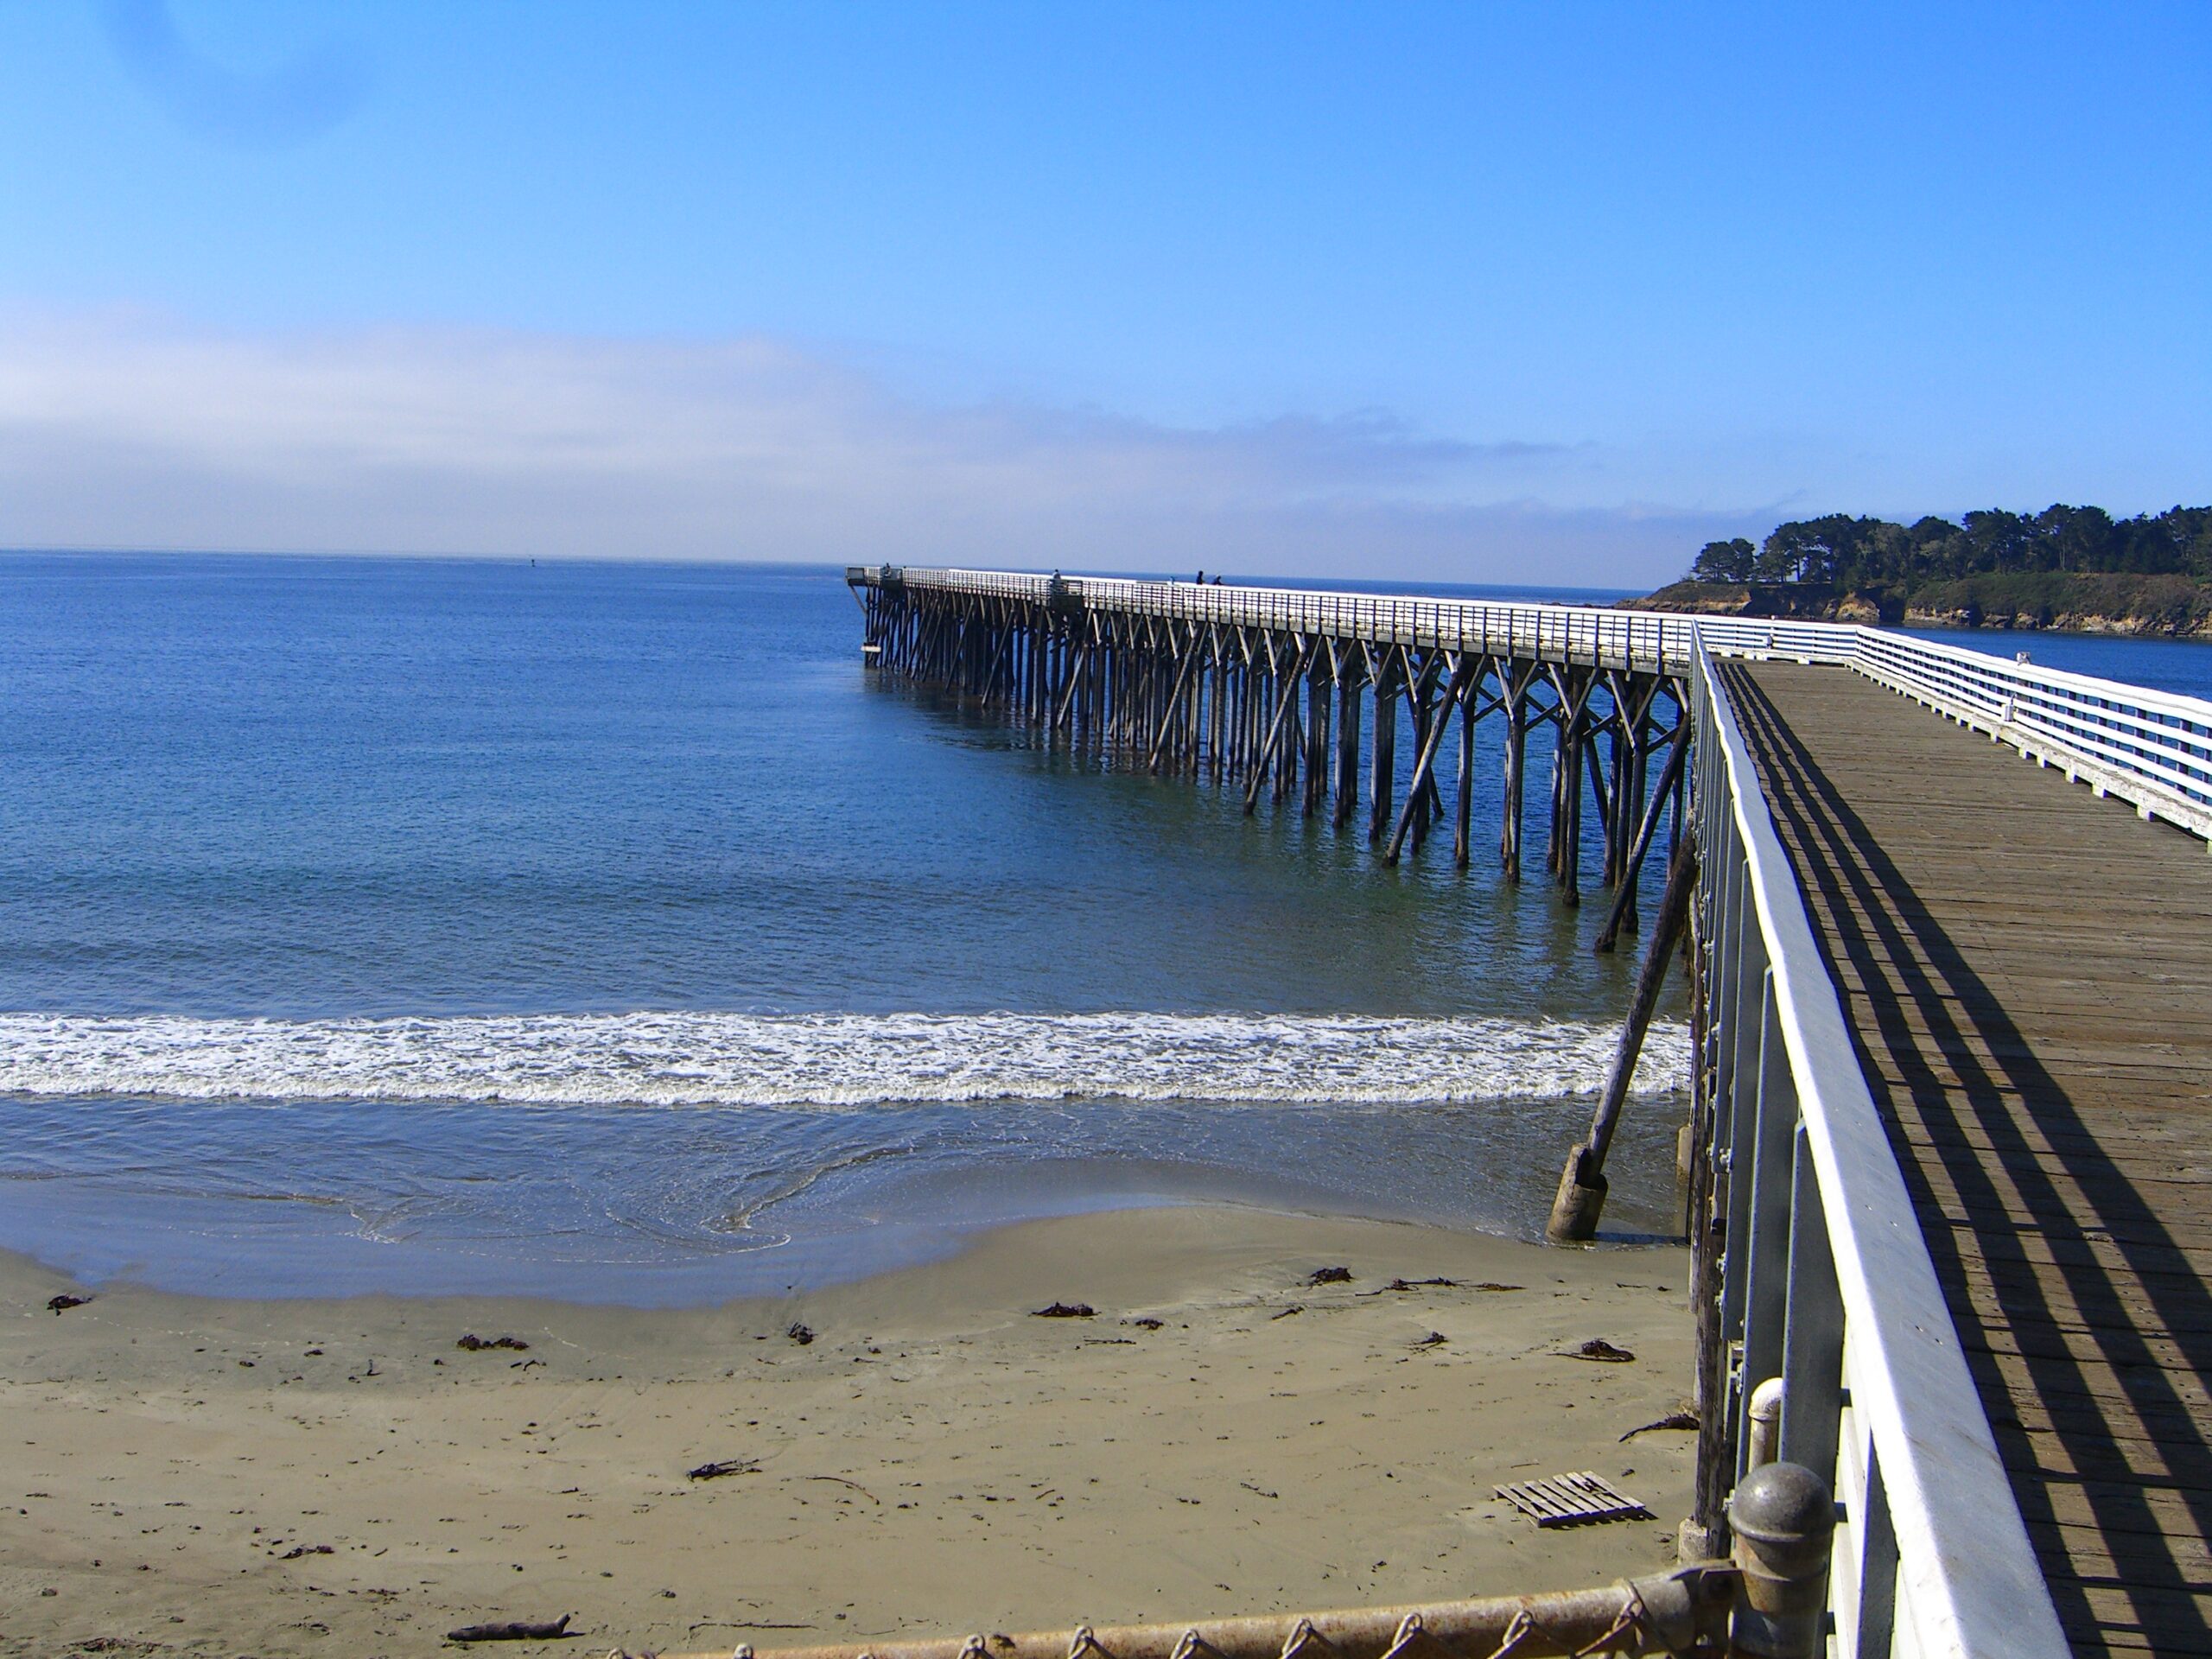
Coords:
pixel 2161 606
pixel 2077 569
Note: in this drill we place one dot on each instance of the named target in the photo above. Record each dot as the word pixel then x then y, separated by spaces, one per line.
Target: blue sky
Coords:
pixel 1462 292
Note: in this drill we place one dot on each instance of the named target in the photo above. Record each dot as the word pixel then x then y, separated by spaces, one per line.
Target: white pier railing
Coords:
pixel 1828 1284
pixel 1647 640
pixel 2152 749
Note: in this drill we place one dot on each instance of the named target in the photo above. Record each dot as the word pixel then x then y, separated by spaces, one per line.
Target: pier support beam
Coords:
pixel 1383 781
pixel 1516 710
pixel 1348 684
pixel 1582 1187
pixel 1179 684
pixel 1624 899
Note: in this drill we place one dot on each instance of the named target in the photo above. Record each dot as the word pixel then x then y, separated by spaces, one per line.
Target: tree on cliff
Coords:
pixel 1733 561
pixel 1859 555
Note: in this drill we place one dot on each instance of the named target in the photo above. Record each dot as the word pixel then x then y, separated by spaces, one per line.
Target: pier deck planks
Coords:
pixel 2027 972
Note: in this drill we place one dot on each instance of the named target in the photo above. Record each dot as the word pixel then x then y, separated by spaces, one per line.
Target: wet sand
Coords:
pixel 333 1477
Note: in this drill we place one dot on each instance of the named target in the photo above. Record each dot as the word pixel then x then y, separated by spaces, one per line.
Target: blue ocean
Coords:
pixel 607 932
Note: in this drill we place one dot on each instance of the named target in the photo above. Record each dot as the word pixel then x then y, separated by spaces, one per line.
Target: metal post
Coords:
pixel 1764 1243
pixel 1783 1518
pixel 1754 1004
pixel 1878 1566
pixel 1812 1342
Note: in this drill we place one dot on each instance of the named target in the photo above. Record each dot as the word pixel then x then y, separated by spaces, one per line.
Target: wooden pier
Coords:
pixel 1307 707
pixel 2027 971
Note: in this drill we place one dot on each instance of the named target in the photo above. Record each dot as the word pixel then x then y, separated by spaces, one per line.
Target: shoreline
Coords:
pixel 2002 614
pixel 320 1476
pixel 629 1207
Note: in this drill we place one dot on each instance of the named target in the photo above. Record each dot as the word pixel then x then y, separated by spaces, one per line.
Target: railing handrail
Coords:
pixel 1638 637
pixel 1969 1581
pixel 2177 704
pixel 2153 749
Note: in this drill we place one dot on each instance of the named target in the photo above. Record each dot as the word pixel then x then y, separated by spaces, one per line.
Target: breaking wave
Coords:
pixel 825 1060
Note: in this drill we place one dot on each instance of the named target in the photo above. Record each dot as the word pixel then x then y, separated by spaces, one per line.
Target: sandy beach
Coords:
pixel 326 1477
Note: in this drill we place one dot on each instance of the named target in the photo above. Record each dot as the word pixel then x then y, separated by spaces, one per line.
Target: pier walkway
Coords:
pixel 2026 971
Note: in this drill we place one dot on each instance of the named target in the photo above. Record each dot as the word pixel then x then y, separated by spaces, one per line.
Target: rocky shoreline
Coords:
pixel 2164 607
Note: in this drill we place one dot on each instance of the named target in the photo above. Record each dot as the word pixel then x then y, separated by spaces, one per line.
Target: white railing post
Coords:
pixel 1764 1242
pixel 1812 1339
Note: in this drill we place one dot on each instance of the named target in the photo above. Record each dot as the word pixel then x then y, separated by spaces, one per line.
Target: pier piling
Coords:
pixel 1195 681
pixel 1175 678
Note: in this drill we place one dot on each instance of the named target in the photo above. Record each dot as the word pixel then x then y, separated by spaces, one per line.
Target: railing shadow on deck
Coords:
pixel 1916 979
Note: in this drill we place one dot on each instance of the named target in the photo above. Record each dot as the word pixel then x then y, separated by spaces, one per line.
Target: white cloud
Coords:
pixel 118 430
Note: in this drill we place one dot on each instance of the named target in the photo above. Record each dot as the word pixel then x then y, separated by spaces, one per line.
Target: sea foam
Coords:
pixel 839 1060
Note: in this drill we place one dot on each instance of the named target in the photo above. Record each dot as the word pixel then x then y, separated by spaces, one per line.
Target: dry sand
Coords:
pixel 333 1477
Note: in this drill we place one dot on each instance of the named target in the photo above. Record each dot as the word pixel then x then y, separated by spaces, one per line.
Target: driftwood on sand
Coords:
pixel 726 1466
pixel 512 1629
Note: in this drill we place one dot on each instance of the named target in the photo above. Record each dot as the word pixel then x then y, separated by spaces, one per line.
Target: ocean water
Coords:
pixel 606 932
